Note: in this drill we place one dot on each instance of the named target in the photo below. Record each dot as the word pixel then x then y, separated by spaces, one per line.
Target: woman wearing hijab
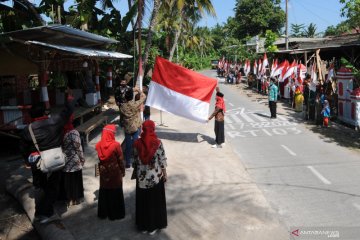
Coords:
pixel 74 158
pixel 150 164
pixel 111 166
pixel 219 119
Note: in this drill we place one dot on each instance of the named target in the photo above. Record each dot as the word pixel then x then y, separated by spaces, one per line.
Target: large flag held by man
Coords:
pixel 180 91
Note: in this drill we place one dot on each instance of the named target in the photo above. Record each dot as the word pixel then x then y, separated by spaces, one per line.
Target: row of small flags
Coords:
pixel 282 71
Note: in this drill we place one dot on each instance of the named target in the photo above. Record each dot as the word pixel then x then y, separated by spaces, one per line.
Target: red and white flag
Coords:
pixel 280 68
pixel 265 64
pixel 284 70
pixel 301 69
pixel 331 73
pixel 273 67
pixel 180 91
pixel 290 70
pixel 255 67
pixel 259 66
pixel 314 79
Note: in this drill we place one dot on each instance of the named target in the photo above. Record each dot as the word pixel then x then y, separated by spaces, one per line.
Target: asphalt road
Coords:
pixel 310 181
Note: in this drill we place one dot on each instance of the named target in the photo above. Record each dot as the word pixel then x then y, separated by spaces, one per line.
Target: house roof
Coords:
pixel 94 53
pixel 60 35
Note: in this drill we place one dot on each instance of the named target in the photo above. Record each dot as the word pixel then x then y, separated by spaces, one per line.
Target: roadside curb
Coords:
pixel 23 191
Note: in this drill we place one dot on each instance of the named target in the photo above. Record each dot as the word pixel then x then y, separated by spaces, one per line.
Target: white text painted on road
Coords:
pixel 262 132
pixel 288 150
pixel 321 177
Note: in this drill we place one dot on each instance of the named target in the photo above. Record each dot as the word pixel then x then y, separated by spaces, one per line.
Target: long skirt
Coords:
pixel 73 185
pixel 111 203
pixel 219 132
pixel 151 211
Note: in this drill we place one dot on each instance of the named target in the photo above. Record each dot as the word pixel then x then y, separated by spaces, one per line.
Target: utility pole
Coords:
pixel 286 26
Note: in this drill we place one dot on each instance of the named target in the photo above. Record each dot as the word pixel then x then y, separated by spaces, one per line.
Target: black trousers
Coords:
pixel 51 188
pixel 272 106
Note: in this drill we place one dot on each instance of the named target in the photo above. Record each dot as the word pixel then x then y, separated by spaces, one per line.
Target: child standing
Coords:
pixel 326 113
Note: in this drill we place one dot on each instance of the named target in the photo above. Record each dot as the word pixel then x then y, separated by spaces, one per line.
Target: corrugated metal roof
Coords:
pixel 95 53
pixel 60 34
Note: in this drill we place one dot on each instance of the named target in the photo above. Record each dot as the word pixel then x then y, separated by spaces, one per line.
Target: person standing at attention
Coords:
pixel 130 111
pixel 273 93
pixel 219 119
pixel 111 167
pixel 74 162
pixel 150 166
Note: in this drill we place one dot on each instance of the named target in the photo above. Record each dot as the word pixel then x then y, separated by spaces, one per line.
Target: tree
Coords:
pixel 297 30
pixel 254 17
pixel 21 14
pixel 310 32
pixel 189 14
pixel 270 38
pixel 352 11
pixel 342 27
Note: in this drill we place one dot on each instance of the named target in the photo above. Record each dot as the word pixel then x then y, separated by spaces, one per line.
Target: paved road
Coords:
pixel 308 180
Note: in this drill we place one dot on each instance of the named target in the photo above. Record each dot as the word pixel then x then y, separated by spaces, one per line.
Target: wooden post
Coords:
pixel 319 65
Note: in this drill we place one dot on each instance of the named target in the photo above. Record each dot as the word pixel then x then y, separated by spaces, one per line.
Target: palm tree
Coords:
pixel 310 32
pixel 153 20
pixel 189 11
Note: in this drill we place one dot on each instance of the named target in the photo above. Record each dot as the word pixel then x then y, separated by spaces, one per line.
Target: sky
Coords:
pixel 323 13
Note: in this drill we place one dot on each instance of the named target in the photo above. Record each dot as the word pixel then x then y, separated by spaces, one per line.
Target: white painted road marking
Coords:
pixel 235 118
pixel 289 150
pixel 231 104
pixel 321 177
pixel 231 126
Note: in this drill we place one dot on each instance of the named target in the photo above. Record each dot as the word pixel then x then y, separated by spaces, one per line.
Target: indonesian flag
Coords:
pixel 284 70
pixel 259 66
pixel 280 68
pixel 255 67
pixel 290 70
pixel 331 73
pixel 264 64
pixel 314 80
pixel 301 73
pixel 180 91
pixel 273 67
pixel 247 66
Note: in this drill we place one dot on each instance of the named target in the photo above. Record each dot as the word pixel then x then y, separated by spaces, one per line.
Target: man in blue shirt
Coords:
pixel 273 93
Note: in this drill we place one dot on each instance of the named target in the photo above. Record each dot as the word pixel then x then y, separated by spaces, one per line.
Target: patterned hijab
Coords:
pixel 106 146
pixel 148 143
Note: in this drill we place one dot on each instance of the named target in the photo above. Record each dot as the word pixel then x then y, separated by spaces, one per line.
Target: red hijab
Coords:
pixel 220 103
pixel 69 125
pixel 148 142
pixel 107 145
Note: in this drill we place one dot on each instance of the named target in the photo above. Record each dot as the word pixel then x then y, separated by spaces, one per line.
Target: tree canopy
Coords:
pixel 256 16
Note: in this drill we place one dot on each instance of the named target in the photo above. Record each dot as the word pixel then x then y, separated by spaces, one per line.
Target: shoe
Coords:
pixel 49 219
pixel 144 232
pixel 153 232
pixel 216 146
pixel 222 145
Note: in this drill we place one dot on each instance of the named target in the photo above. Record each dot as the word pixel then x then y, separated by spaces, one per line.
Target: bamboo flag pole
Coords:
pixel 140 72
